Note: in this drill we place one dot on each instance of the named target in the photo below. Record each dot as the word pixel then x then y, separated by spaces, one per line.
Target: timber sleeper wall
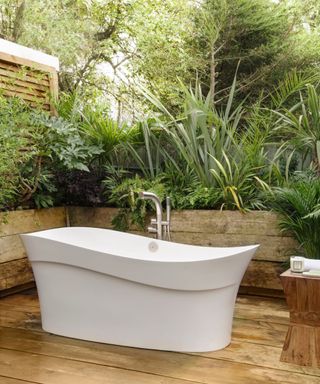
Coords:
pixel 15 270
pixel 198 227
pixel 219 229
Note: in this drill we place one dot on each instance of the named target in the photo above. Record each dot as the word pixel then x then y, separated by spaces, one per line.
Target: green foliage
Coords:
pixel 298 205
pixel 228 166
pixel 81 33
pixel 185 193
pixel 107 47
pixel 239 183
pixel 148 152
pixel 105 133
pixel 300 125
pixel 95 127
pixel 33 145
pixel 124 193
pixel 200 132
pixel 163 32
pixel 64 143
pixel 17 151
pixel 251 34
pixel 210 146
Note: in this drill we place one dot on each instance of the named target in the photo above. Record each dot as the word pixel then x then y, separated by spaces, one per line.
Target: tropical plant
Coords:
pixel 33 146
pixel 124 193
pixel 147 151
pixel 10 158
pixel 239 183
pixel 300 125
pixel 102 131
pixel 298 205
pixel 17 152
pixel 95 127
pixel 201 132
pixel 64 143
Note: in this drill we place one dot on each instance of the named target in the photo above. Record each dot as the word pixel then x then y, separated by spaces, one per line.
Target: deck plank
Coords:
pixel 159 362
pixel 9 380
pixel 262 309
pixel 259 355
pixel 28 354
pixel 155 367
pixel 53 370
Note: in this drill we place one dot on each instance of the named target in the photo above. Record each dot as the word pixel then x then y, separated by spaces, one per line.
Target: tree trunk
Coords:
pixel 18 22
pixel 119 112
pixel 212 75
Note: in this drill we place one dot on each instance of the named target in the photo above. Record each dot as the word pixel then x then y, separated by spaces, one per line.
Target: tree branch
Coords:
pixel 110 30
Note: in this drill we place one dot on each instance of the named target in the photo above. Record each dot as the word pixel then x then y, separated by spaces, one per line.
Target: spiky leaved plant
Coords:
pixel 298 205
pixel 300 125
pixel 201 132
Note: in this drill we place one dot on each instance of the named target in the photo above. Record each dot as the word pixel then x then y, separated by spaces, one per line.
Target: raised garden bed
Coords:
pixel 220 228
pixel 199 227
pixel 15 270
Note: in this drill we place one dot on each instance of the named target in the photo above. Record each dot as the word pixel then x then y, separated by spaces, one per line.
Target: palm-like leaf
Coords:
pixel 239 182
pixel 299 208
pixel 292 83
pixel 101 130
pixel 301 124
pixel 201 132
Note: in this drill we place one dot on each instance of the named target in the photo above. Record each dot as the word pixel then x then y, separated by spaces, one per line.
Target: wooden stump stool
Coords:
pixel 302 344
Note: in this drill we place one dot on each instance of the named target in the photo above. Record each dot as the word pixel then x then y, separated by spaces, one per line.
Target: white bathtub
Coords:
pixel 113 287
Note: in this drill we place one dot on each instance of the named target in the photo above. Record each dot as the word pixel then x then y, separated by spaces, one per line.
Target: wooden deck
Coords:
pixel 30 355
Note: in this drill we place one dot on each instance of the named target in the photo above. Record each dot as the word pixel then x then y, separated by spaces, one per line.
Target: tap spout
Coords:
pixel 153 197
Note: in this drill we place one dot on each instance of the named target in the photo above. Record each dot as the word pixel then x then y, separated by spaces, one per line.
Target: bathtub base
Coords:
pixel 91 306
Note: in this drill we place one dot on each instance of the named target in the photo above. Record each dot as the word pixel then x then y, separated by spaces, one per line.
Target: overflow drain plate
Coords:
pixel 153 246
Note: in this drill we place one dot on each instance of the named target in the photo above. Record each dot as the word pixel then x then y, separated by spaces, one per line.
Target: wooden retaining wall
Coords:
pixel 220 228
pixel 199 227
pixel 15 270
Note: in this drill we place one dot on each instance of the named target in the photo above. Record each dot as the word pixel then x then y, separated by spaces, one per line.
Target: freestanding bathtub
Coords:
pixel 118 288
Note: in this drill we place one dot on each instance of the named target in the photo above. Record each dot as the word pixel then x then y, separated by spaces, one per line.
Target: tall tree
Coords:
pixel 108 47
pixel 246 33
pixel 11 18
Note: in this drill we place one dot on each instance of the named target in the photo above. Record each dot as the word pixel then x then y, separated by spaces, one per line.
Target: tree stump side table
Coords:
pixel 302 343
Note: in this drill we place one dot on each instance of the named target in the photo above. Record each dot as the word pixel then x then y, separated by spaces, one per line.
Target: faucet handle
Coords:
pixel 152 230
pixel 168 208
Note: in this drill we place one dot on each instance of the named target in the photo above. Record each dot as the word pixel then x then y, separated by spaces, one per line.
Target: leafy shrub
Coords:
pixel 123 192
pixel 96 127
pixel 300 126
pixel 33 146
pixel 299 207
pixel 17 151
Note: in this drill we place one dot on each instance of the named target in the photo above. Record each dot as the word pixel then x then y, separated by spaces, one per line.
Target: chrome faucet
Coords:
pixel 158 226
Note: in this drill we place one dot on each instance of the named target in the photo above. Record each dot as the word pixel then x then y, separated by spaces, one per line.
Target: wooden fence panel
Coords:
pixel 36 84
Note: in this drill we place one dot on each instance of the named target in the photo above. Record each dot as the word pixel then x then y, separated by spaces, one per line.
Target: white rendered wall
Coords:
pixel 29 54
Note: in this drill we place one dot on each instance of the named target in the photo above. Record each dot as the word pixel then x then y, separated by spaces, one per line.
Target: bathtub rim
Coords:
pixel 188 275
pixel 213 252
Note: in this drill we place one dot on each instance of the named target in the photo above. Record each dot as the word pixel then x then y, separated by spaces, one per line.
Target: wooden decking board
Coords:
pixel 53 370
pixel 30 354
pixel 159 362
pixel 258 355
pixel 259 332
pixel 9 380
